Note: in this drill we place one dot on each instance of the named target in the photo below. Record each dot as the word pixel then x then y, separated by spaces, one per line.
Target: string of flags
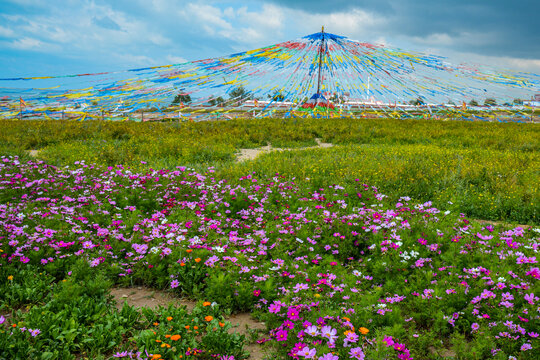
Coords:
pixel 321 74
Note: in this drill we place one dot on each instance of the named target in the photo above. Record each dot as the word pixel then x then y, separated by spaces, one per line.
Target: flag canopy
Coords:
pixel 367 78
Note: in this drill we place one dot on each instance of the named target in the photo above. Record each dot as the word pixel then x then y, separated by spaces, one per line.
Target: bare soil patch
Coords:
pixel 250 154
pixel 243 323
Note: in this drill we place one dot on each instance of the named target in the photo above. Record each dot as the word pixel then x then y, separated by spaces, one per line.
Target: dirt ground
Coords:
pixel 139 297
pixel 250 154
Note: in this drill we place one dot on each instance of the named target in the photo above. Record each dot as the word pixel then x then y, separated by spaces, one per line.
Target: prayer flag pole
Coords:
pixel 320 61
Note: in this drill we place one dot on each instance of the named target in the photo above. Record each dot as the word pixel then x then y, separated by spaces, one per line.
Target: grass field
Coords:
pixel 364 250
pixel 486 170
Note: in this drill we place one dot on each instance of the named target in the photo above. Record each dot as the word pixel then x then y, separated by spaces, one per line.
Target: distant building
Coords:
pixel 535 101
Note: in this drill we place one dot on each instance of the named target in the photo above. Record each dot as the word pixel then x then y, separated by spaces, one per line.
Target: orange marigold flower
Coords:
pixel 175 337
pixel 169 318
pixel 196 327
pixel 346 318
pixel 182 264
pixel 363 330
pixel 187 327
pixel 198 260
pixel 156 356
pixel 168 336
pixel 163 345
pixel 189 250
pixel 155 324
pixel 157 340
pixel 208 318
pixel 206 303
pixel 10 277
pixel 221 324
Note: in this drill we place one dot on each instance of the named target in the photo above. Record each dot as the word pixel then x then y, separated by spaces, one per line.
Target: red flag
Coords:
pixel 22 102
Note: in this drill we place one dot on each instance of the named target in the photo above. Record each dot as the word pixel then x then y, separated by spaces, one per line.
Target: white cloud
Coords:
pixel 172 59
pixel 27 43
pixel 355 24
pixel 6 32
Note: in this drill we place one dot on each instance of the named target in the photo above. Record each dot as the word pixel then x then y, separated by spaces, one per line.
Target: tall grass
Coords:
pixel 486 170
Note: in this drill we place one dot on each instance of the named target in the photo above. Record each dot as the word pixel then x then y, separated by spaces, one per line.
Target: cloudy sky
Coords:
pixel 54 37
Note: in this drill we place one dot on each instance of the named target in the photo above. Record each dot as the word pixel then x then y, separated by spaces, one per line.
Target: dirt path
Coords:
pixel 250 154
pixel 497 223
pixel 144 297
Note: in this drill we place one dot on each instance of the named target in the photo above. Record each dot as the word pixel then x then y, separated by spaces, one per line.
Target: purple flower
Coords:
pixel 329 333
pixel 312 330
pixel 329 356
pixel 530 298
pixel 350 338
pixel 174 284
pixel 307 353
pixel 356 353
pixel 474 327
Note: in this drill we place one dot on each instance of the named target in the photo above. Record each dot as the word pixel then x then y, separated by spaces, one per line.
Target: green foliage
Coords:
pixel 490 102
pixel 216 101
pixel 181 99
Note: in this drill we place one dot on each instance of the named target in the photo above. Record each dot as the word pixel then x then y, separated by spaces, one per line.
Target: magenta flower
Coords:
pixel 256 293
pixel 282 335
pixel 293 313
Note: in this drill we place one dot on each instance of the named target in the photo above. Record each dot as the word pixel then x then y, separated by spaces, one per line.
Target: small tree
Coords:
pixel 181 98
pixel 277 96
pixel 473 103
pixel 417 101
pixel 336 98
pixel 490 102
pixel 240 93
pixel 216 101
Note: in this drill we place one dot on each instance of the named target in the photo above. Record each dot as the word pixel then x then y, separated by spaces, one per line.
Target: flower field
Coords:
pixel 367 250
pixel 486 170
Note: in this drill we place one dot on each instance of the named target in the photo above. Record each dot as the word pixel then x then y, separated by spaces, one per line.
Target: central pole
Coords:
pixel 321 49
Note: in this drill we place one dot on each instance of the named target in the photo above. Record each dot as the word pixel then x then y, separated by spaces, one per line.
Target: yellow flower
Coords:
pixel 10 277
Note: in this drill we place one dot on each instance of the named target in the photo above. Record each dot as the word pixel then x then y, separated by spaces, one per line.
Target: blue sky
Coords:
pixel 56 37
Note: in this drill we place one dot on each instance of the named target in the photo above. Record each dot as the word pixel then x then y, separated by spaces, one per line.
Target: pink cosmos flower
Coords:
pixel 282 335
pixel 307 353
pixel 357 353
